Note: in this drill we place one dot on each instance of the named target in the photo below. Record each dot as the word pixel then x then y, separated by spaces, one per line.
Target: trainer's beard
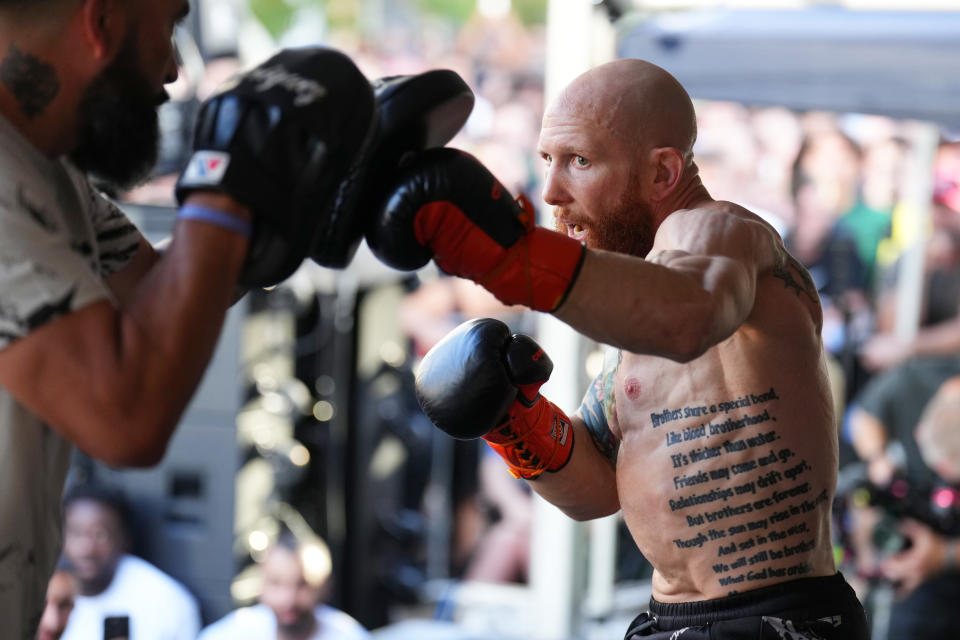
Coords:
pixel 302 627
pixel 120 134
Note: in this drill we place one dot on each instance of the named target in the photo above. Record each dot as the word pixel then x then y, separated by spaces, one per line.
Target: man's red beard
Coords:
pixel 624 228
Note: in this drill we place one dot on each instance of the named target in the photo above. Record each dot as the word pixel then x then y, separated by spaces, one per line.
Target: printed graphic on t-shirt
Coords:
pixel 41 217
pixel 117 239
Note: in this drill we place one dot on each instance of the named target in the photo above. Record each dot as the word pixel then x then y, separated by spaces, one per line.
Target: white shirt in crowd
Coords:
pixel 259 623
pixel 159 607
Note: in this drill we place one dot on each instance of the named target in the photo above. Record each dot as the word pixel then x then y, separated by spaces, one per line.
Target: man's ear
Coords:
pixel 668 164
pixel 104 25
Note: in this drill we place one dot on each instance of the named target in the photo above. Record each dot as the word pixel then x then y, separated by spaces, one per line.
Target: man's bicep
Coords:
pixel 597 411
pixel 123 282
pixel 52 369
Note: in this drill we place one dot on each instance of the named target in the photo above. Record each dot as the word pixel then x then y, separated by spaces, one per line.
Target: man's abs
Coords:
pixel 727 464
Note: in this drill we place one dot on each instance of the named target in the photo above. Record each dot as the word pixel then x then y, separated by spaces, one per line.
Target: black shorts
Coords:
pixel 804 609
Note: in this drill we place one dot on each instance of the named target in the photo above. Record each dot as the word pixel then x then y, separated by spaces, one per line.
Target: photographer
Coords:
pixel 938 437
pixel 913 504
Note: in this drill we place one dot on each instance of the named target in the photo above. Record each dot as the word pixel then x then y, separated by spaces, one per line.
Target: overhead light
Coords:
pixel 323 411
pixel 258 540
pixel 299 455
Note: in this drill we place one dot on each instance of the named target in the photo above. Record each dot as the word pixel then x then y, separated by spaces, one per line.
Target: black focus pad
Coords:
pixel 418 112
pixel 462 385
pixel 413 113
pixel 280 139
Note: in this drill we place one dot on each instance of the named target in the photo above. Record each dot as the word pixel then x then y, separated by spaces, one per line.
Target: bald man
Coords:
pixel 295 580
pixel 711 425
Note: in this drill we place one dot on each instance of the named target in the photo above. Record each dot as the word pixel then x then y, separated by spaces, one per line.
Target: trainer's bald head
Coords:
pixel 634 99
pixel 22 18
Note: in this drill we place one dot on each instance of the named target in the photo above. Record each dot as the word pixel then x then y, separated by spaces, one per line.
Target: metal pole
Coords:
pixel 917 195
pixel 578 37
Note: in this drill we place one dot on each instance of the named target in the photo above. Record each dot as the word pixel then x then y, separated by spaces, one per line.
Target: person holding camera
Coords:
pixel 938 438
pixel 913 543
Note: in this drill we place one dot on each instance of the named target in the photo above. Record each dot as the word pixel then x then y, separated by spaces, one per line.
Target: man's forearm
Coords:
pixel 586 488
pixel 868 435
pixel 171 326
pixel 939 339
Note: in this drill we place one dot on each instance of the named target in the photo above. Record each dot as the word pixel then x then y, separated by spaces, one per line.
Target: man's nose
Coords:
pixel 174 59
pixel 554 191
pixel 173 70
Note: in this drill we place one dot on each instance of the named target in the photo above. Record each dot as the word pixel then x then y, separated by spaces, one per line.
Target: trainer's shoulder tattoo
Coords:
pixel 599 406
pixel 31 81
pixel 795 276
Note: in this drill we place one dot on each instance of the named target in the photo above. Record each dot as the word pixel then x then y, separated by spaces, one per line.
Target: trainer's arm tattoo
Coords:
pixel 785 269
pixel 598 410
pixel 33 82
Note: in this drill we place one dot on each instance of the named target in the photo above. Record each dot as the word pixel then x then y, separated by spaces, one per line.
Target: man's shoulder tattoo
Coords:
pixel 598 410
pixel 795 276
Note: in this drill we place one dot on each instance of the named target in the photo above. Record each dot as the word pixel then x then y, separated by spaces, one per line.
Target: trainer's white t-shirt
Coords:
pixel 259 623
pixel 159 607
pixel 58 239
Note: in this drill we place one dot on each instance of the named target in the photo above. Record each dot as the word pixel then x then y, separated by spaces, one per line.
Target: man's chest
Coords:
pixel 649 392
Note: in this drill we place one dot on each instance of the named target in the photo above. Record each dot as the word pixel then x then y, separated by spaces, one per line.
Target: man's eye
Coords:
pixel 546 157
pixel 581 161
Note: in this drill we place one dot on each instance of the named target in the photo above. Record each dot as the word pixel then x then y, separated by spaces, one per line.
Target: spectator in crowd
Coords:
pixel 114 583
pixel 938 437
pixel 912 389
pixel 778 137
pixel 885 412
pixel 816 239
pixel 829 252
pixel 925 572
pixel 296 580
pixel 870 219
pixel 912 370
pixel 728 146
pixel 939 322
pixel 61 594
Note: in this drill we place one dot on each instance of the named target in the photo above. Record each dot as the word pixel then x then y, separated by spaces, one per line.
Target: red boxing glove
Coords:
pixel 533 438
pixel 449 207
pixel 535 435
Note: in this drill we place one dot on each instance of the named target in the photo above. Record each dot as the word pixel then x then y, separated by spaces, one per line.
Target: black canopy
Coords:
pixel 904 64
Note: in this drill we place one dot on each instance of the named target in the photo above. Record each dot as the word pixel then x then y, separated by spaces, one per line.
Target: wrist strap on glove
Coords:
pixel 533 438
pixel 221 219
pixel 535 267
pixel 539 269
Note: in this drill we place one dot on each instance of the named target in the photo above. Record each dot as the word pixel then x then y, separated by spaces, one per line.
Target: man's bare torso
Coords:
pixel 727 463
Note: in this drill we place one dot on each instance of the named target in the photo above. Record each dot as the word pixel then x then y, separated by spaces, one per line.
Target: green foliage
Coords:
pixel 274 15
pixel 531 12
pixel 277 15
pixel 343 13
pixel 456 10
